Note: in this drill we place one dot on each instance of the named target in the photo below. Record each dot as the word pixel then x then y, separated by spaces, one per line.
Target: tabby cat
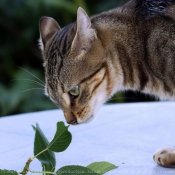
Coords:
pixel 128 48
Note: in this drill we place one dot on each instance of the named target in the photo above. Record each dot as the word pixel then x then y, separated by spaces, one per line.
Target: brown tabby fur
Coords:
pixel 117 50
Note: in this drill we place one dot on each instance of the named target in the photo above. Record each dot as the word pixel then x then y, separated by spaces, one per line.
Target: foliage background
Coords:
pixel 19 52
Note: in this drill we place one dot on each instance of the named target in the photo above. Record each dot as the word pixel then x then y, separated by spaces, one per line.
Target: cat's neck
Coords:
pixel 126 54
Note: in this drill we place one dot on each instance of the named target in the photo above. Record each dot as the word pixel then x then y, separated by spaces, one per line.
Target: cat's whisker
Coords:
pixel 29 80
pixel 31 74
pixel 32 89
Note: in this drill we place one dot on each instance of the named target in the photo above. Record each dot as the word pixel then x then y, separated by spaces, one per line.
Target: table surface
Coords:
pixel 126 135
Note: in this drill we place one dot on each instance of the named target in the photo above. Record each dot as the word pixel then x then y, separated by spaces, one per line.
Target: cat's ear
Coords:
pixel 48 27
pixel 85 34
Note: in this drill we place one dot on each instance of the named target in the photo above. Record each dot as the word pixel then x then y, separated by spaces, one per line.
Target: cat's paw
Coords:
pixel 165 157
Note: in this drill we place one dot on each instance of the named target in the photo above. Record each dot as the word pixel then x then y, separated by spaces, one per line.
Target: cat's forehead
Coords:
pixel 68 71
pixel 61 42
pixel 56 53
pixel 73 72
pixel 68 68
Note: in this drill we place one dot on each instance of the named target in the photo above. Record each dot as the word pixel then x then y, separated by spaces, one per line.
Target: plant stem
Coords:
pixel 39 153
pixel 26 167
pixel 41 172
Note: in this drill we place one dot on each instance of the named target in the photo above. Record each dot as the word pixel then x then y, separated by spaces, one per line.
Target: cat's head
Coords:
pixel 75 70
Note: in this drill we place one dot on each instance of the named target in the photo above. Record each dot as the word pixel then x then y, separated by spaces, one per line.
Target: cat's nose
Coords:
pixel 72 122
pixel 70 118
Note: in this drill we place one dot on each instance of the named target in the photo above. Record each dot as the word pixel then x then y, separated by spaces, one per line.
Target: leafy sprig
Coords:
pixel 44 151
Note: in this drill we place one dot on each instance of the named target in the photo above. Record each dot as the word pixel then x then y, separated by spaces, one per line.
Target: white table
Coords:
pixel 126 135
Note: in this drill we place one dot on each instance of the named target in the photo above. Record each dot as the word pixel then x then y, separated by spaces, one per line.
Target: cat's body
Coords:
pixel 128 48
pixel 140 52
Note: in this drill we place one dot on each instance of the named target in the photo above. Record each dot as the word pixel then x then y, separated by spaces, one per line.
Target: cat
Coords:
pixel 128 48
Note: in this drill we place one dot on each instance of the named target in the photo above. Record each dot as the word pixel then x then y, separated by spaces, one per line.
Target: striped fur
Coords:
pixel 150 8
pixel 128 48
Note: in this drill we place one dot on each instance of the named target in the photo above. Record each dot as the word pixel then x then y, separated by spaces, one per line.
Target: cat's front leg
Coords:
pixel 165 157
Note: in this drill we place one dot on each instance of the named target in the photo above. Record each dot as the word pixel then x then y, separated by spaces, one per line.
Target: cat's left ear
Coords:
pixel 48 27
pixel 85 34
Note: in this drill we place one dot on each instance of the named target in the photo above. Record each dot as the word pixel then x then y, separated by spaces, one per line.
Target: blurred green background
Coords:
pixel 20 57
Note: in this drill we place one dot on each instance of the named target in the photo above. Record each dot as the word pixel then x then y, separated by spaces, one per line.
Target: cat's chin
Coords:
pixel 89 119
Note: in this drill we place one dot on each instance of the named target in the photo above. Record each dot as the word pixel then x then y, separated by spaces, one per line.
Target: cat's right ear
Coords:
pixel 85 34
pixel 48 27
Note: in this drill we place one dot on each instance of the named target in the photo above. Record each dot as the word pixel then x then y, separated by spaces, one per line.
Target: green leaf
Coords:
pixel 75 170
pixel 62 138
pixel 101 167
pixel 8 172
pixel 47 158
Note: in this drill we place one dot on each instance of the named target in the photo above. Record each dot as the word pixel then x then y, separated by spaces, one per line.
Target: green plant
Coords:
pixel 44 151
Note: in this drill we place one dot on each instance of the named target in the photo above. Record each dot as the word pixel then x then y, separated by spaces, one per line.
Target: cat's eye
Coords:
pixel 74 91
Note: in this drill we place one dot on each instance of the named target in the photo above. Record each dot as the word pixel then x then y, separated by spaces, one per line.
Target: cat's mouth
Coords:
pixel 86 120
pixel 89 119
pixel 75 120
